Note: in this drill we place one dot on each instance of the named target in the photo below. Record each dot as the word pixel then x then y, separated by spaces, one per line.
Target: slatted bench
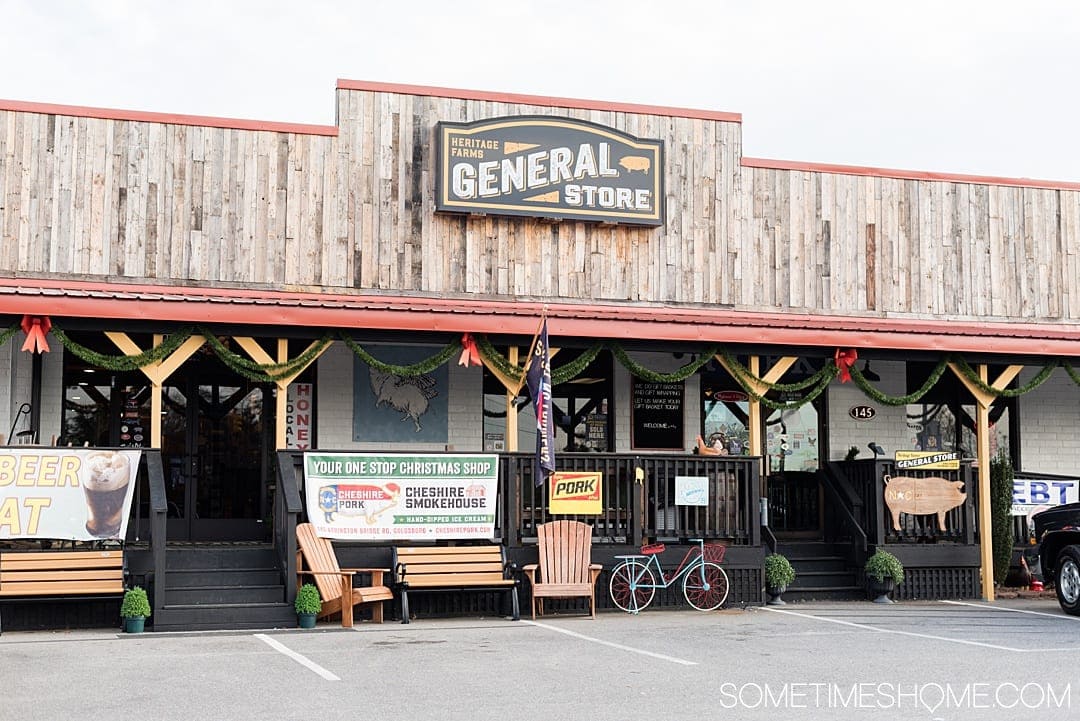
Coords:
pixel 61 575
pixel 458 568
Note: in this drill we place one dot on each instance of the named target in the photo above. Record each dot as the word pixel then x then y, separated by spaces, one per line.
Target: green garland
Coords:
pixel 1072 372
pixel 1040 378
pixel 492 355
pixel 416 369
pixel 641 371
pixel 8 333
pixel 869 390
pixel 745 377
pixel 260 372
pixel 126 362
pixel 576 367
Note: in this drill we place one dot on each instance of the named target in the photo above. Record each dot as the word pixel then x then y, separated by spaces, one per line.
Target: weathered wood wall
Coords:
pixel 169 203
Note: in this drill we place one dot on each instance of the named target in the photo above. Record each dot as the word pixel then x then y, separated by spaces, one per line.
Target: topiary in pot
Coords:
pixel 308 604
pixel 135 609
pixel 883 573
pixel 778 576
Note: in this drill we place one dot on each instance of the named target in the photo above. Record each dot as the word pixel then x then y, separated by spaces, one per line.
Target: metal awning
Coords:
pixel 364 310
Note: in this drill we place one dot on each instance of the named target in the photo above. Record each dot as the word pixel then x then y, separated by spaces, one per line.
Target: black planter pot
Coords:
pixel 774 596
pixel 880 590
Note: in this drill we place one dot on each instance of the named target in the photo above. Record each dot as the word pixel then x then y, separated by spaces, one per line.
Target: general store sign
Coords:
pixel 379 496
pixel 551 168
pixel 927 460
pixel 64 493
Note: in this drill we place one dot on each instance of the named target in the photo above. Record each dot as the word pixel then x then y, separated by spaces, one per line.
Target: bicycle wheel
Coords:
pixel 705 586
pixel 636 575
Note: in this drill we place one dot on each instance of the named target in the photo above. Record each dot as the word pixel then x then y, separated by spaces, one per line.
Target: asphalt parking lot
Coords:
pixel 927 660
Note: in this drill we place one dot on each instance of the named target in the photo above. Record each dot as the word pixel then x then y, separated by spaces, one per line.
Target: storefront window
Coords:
pixel 581 409
pixel 725 415
pixel 945 417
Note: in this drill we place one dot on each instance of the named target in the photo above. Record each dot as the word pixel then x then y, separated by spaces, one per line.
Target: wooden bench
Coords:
pixel 457 568
pixel 61 574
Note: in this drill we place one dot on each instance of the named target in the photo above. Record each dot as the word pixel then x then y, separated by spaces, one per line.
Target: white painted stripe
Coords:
pixel 988 607
pixel 895 631
pixel 299 658
pixel 611 644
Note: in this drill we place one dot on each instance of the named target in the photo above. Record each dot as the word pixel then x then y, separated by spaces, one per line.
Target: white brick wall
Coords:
pixel 335 406
pixel 888 428
pixel 1050 416
pixel 18 367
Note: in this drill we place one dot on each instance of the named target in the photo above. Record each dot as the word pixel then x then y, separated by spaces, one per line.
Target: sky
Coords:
pixel 952 86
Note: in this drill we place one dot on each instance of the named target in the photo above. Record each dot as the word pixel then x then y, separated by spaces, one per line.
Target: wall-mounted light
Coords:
pixel 878 450
pixel 868 374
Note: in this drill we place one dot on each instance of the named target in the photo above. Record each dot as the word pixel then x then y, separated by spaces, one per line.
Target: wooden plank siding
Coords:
pixel 173 204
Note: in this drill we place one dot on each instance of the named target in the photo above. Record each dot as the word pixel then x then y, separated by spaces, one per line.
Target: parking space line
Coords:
pixel 299 658
pixel 852 624
pixel 612 644
pixel 988 607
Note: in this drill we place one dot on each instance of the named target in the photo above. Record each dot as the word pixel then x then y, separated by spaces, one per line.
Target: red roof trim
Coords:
pixel 551 101
pixel 906 174
pixel 166 118
pixel 460 315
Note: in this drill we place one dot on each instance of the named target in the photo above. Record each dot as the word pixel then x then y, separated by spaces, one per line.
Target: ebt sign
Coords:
pixel 1030 494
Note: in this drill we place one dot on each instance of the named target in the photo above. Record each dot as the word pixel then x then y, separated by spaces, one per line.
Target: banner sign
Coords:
pixel 66 493
pixel 381 496
pixel 549 167
pixel 1031 494
pixel 575 492
pixel 298 415
pixel 928 460
pixel 691 490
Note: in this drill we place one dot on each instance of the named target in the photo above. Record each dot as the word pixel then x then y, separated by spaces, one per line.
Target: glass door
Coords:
pixel 217 441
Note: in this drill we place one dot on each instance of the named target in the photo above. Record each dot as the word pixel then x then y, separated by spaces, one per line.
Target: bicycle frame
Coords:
pixel 634 581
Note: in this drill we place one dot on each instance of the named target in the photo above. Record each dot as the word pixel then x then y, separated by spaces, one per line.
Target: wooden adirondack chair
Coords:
pixel 565 567
pixel 315 557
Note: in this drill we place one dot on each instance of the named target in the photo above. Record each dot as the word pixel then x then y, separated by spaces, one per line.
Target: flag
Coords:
pixel 538 379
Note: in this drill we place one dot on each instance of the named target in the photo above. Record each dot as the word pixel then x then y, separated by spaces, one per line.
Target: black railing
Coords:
pixel 159 505
pixel 868 483
pixel 638 498
pixel 287 510
pixel 845 510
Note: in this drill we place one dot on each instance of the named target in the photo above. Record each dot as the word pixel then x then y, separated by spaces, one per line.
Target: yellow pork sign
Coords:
pixel 575 492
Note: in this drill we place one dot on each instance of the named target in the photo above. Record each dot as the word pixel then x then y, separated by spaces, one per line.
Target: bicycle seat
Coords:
pixel 652 549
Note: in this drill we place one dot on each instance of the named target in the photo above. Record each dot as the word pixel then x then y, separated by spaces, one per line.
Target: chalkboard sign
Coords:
pixel 656 421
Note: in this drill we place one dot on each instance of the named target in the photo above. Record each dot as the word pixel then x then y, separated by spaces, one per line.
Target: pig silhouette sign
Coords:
pixel 922 496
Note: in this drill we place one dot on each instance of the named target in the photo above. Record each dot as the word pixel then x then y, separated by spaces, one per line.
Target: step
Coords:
pixel 223 616
pixel 838 564
pixel 812 549
pixel 191 595
pixel 191 577
pixel 823 579
pixel 220 557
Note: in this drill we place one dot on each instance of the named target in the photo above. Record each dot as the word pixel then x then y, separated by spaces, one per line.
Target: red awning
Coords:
pixel 80 299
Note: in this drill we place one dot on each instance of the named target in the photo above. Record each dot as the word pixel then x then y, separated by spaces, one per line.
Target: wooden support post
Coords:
pixel 158 372
pixel 511 410
pixel 257 354
pixel 982 438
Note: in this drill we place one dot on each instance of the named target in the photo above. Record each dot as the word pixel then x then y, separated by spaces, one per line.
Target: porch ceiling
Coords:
pixel 85 299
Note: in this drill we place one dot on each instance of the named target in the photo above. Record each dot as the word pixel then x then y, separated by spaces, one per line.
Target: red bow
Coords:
pixel 844 360
pixel 471 354
pixel 35 328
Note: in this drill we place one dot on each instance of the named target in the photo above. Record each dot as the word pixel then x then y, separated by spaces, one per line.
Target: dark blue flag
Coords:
pixel 538 379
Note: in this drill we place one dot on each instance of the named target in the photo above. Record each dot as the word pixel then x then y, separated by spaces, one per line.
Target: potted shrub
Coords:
pixel 308 604
pixel 134 609
pixel 883 573
pixel 778 576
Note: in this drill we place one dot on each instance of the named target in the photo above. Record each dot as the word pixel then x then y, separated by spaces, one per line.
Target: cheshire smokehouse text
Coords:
pixel 441 497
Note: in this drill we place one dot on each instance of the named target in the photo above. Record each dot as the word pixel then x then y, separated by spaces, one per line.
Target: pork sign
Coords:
pixel 549 167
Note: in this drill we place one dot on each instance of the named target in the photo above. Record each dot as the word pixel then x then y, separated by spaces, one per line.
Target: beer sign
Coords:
pixel 549 167
pixel 65 493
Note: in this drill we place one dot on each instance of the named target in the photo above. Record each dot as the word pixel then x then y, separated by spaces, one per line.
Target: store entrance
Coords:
pixel 217 444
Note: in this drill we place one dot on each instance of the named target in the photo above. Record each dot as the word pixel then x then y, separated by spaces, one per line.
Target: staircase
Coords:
pixel 222 587
pixel 823 571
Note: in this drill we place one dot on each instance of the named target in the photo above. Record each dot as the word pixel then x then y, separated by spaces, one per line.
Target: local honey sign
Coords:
pixel 551 168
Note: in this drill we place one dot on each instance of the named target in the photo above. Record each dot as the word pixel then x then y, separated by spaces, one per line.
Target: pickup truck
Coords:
pixel 1057 531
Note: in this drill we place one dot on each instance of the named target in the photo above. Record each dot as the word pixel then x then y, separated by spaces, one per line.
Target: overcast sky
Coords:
pixel 987 87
